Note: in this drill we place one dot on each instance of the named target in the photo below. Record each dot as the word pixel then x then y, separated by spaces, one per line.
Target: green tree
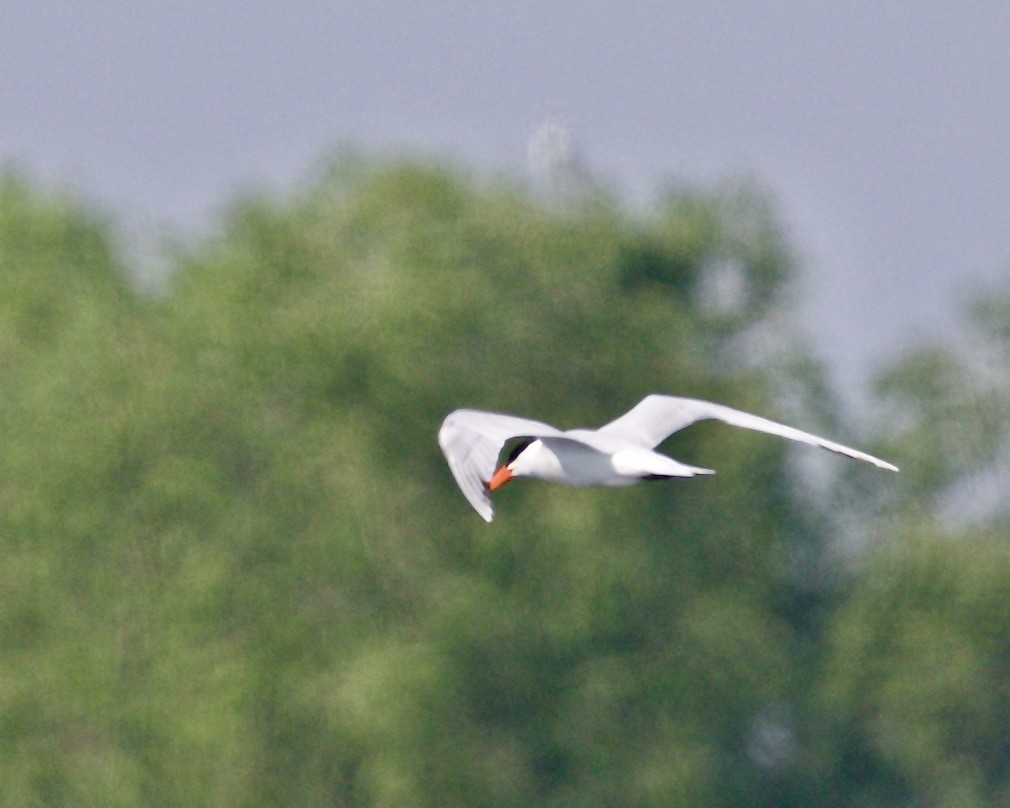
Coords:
pixel 916 682
pixel 239 573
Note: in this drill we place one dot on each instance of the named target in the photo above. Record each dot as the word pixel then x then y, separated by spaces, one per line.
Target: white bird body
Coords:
pixel 582 459
pixel 617 454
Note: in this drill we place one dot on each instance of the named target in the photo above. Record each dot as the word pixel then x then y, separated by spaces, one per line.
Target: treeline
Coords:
pixel 236 570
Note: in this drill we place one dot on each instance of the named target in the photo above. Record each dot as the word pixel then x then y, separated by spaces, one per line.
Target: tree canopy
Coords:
pixel 237 570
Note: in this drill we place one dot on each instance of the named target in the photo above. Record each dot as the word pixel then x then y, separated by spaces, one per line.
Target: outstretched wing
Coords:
pixel 657 417
pixel 471 441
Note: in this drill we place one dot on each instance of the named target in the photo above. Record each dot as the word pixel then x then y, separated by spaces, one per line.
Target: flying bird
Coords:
pixel 617 454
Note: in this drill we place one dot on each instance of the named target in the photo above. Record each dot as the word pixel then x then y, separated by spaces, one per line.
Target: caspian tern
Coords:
pixel 617 454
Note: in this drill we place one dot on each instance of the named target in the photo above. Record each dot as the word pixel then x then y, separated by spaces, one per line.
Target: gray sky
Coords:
pixel 881 128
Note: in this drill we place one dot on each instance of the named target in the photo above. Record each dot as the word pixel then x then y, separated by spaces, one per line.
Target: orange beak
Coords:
pixel 502 476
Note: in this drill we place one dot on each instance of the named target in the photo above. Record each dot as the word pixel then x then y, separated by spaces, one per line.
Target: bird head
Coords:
pixel 523 461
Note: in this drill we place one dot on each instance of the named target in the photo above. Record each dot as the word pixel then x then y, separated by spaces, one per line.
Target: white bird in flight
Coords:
pixel 617 454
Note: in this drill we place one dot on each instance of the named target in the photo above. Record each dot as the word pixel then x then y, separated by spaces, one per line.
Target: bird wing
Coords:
pixel 471 441
pixel 656 417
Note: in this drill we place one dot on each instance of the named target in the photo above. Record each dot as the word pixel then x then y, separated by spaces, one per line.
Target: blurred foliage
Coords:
pixel 237 571
pixel 917 675
pixel 953 404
